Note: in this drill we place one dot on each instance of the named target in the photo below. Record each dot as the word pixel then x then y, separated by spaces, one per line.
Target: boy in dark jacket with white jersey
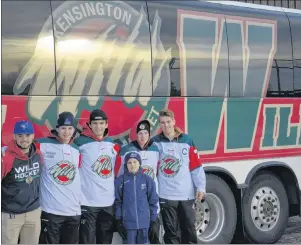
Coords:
pixel 136 201
pixel 149 153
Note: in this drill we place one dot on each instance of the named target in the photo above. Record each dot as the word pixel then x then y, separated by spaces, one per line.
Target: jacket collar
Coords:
pixel 14 149
pixel 87 131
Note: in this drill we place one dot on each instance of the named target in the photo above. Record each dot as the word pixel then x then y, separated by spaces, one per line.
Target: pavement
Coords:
pixel 292 234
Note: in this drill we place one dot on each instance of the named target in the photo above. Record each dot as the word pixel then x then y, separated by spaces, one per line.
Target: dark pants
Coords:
pixel 137 236
pixel 97 224
pixel 178 214
pixel 154 234
pixel 58 229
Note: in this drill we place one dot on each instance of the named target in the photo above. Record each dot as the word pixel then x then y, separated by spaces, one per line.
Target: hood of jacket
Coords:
pixel 145 147
pixel 15 150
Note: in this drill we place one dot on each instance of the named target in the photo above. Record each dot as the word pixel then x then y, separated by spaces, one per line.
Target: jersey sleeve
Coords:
pixel 117 159
pixel 196 169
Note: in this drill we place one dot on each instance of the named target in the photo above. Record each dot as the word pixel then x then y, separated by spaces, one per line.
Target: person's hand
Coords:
pixel 152 228
pixel 120 228
pixel 199 195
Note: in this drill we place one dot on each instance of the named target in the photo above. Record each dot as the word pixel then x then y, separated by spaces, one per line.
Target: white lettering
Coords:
pixel 109 8
pixel 99 9
pixel 78 14
pixel 117 13
pixel 61 24
pixel 68 17
pixel 152 119
pixel 90 9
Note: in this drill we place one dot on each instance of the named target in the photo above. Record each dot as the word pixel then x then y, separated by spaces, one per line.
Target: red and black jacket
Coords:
pixel 20 174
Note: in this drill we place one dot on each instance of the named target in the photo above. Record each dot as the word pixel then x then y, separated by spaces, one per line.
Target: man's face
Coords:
pixel 133 165
pixel 143 137
pixel 65 133
pixel 98 127
pixel 167 124
pixel 24 140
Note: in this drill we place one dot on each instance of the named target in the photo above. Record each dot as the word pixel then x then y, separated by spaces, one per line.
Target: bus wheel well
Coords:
pixel 290 184
pixel 231 183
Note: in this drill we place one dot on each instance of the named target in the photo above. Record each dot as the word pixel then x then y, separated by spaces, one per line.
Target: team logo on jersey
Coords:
pixel 103 166
pixel 148 170
pixel 63 172
pixel 170 166
pixel 102 47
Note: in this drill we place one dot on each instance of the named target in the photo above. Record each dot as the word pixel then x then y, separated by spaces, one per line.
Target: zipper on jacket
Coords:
pixel 136 201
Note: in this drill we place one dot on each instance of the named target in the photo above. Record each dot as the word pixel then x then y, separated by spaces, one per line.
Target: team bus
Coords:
pixel 230 71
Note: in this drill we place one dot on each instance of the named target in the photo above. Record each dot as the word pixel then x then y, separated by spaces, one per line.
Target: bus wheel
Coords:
pixel 216 214
pixel 265 209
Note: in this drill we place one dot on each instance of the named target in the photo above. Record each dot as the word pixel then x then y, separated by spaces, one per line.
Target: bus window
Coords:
pixel 27 48
pixel 260 56
pixel 296 36
pixel 102 48
pixel 189 40
pixel 281 80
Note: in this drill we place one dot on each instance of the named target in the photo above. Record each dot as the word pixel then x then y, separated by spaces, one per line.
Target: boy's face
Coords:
pixel 143 137
pixel 65 133
pixel 98 127
pixel 167 124
pixel 133 165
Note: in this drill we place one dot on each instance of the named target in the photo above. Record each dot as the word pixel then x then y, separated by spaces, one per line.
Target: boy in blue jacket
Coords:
pixel 136 201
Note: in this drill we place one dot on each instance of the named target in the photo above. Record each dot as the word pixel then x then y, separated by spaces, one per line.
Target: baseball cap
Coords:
pixel 23 127
pixel 98 115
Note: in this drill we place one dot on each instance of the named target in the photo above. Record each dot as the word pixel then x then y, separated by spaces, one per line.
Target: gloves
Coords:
pixel 120 228
pixel 152 227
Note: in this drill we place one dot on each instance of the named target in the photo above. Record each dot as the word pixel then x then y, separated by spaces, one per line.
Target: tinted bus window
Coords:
pixel 102 48
pixel 27 50
pixel 281 81
pixel 295 21
pixel 260 55
pixel 189 41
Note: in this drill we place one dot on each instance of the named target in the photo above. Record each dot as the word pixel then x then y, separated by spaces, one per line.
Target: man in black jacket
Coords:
pixel 20 174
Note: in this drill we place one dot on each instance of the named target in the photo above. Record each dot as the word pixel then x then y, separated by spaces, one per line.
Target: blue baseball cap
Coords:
pixel 23 127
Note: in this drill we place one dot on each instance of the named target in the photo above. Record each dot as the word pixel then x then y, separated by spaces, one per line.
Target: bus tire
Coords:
pixel 265 209
pixel 216 214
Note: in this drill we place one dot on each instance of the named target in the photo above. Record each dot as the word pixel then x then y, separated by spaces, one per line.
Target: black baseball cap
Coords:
pixel 98 115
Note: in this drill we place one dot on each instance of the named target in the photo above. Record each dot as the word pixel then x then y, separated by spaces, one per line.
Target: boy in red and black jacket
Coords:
pixel 20 189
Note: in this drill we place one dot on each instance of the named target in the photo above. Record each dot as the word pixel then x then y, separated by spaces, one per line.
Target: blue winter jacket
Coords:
pixel 136 201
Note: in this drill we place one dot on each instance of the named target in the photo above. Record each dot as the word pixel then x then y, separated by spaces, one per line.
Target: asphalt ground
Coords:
pixel 292 234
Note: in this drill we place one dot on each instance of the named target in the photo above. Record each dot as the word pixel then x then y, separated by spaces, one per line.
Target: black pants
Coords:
pixel 96 224
pixel 58 229
pixel 178 214
pixel 154 234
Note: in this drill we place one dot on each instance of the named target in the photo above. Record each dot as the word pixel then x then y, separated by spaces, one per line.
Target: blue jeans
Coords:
pixel 137 236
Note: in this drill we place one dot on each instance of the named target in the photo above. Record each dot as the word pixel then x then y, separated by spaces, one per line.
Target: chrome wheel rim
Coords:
pixel 265 208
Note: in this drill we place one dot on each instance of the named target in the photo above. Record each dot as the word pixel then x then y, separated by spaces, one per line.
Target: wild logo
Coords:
pixel 170 166
pixel 63 172
pixel 148 170
pixel 101 48
pixel 103 166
